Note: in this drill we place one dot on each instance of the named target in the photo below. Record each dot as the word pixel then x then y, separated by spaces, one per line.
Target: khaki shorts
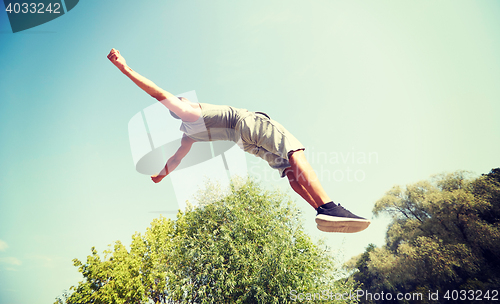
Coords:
pixel 268 139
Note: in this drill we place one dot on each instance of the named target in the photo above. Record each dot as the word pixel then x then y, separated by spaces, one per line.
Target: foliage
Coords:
pixel 122 276
pixel 444 235
pixel 246 247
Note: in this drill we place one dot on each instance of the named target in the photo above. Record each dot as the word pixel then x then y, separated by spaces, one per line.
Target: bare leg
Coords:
pixel 332 218
pixel 300 190
pixel 307 179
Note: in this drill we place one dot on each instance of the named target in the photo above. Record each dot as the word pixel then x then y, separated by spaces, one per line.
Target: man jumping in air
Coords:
pixel 257 134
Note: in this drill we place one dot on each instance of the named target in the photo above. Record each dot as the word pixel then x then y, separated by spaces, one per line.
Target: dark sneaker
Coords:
pixel 339 219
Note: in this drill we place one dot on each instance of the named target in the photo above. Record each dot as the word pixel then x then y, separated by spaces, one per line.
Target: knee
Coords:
pixel 291 176
pixel 294 183
pixel 297 156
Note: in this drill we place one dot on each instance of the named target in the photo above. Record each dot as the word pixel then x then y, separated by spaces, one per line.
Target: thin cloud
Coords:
pixel 3 245
pixel 10 261
pixel 43 260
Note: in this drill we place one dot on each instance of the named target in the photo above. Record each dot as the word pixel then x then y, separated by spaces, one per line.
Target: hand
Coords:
pixel 117 59
pixel 157 178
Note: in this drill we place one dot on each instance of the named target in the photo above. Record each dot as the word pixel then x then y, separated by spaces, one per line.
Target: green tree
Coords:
pixel 246 247
pixel 444 235
pixel 123 276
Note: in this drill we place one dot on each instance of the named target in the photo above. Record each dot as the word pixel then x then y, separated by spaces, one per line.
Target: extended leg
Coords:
pixel 297 187
pixel 307 178
pixel 330 217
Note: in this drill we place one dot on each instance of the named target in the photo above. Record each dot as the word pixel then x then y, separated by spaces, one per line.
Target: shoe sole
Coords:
pixel 342 229
pixel 340 224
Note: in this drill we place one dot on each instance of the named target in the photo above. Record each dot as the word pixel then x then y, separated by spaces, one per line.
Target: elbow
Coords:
pixel 158 96
pixel 161 95
pixel 172 165
pixel 175 161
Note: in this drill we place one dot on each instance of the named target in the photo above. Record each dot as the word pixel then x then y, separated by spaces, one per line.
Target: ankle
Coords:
pixel 328 205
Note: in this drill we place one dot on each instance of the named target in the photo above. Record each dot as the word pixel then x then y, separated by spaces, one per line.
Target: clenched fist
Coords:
pixel 117 59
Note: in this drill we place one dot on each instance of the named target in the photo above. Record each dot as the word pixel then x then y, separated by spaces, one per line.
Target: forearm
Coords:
pixel 175 160
pixel 171 164
pixel 145 84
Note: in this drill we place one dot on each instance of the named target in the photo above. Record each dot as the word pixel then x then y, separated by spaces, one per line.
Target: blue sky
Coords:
pixel 411 86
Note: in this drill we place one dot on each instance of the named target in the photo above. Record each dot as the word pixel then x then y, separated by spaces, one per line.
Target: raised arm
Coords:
pixel 175 160
pixel 174 104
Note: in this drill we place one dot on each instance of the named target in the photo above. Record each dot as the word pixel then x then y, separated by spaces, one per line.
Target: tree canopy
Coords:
pixel 246 247
pixel 444 235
